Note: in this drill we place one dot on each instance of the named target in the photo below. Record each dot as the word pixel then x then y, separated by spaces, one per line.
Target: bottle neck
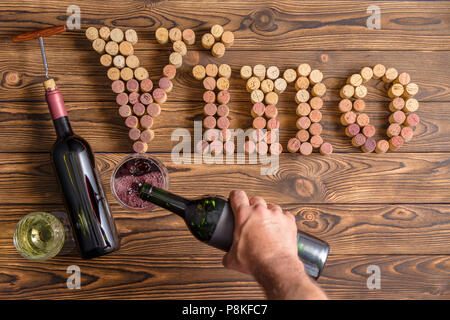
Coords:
pixel 164 199
pixel 62 127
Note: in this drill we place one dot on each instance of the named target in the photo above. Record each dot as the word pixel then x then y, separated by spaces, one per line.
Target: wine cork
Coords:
pixel 316 103
pixel 303 123
pixel 209 83
pixel 395 143
pixel 259 123
pixel 207 41
pixel 127 74
pixel 262 148
pixel 113 73
pixel 348 118
pixel 393 130
pixel 147 135
pixel 403 78
pixel 293 145
pixel 316 141
pixel 411 105
pixel 126 48
pixel 119 62
pixel 355 80
pixel 223 83
pixel 366 74
pixel 132 61
pixel 105 60
pixel 131 36
pixel 209 122
pixel 345 105
pixel 125 111
pixel 396 90
pixel 259 71
pixel 407 133
pixel 272 72
pixel 216 147
pixel 118 86
pixel 210 109
pixel 122 99
pixel 411 90
pixel 217 31
pixel 223 97
pixel 270 111
pixel 246 72
pixel 212 70
pixel 257 135
pixel 199 72
pixel 224 71
pixel 352 130
pixel 227 39
pixel 369 146
pixel 138 109
pixel 304 70
pixel 267 85
pixel 146 85
pixel 256 96
pixel 347 91
pixel 289 75
pixel 146 98
pixel 390 75
pixel 104 33
pixel 140 147
pixel 396 104
pixel 369 131
pixel 169 71
pixel 162 35
pixel 326 148
pixel 397 117
pixel 301 96
pixel 218 50
pixel 303 109
pixel 209 96
pixel 133 97
pixel 378 71
pixel 362 119
pixel 112 48
pixel 359 105
pixel 301 83
pixel 159 95
pixel 165 84
pixel 188 36
pixel 154 109
pixel 271 98
pixel 131 122
pixel 318 90
pixel 359 140
pixel 249 147
pixel 132 85
pixel 223 122
pixel 91 33
pixel 360 92
pixel 271 137
pixel 229 147
pixel 412 120
pixel 134 134
pixel 211 135
pixel 253 84
pixel 302 135
pixel 306 148
pixel 223 110
pixel 315 77
pixel 116 35
pixel 176 59
pixel 315 116
pixel 280 85
pixel 175 34
pixel 180 47
pixel 273 124
pixel 315 129
pixel 99 45
pixel 276 148
pixel 258 110
pixel 382 146
pixel 202 147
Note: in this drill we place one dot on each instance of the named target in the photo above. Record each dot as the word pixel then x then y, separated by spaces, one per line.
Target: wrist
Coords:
pixel 279 267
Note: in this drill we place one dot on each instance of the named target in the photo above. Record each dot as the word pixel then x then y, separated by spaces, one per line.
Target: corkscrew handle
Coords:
pixel 39 33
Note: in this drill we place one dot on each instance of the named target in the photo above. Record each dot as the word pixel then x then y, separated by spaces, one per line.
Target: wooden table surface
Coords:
pixel 390 210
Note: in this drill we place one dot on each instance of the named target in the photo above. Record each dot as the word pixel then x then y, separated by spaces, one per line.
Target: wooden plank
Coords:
pixel 299 25
pixel 195 277
pixel 27 126
pixel 84 79
pixel 340 178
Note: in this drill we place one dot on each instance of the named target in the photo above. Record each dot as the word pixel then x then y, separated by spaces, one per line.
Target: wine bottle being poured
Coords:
pixel 211 220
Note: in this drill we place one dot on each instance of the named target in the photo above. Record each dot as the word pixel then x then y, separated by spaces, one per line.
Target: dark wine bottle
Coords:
pixel 84 197
pixel 211 220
